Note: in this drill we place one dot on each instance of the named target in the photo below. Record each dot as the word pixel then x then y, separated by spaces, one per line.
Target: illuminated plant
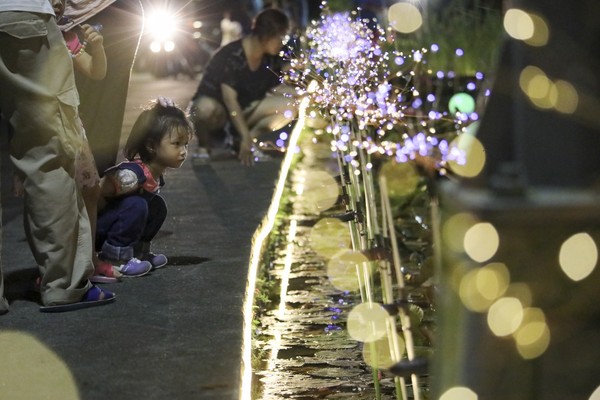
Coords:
pixel 379 105
pixel 370 95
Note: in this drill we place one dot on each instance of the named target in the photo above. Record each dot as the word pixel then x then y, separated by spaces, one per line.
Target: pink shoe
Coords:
pixel 104 272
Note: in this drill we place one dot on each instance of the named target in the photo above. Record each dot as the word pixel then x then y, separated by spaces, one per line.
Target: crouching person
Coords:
pixel 131 208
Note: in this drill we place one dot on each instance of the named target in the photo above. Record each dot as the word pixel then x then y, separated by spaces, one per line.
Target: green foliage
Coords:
pixel 340 5
pixel 477 30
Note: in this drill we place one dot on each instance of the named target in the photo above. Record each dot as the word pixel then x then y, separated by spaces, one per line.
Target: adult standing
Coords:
pixel 3 301
pixel 230 30
pixel 39 100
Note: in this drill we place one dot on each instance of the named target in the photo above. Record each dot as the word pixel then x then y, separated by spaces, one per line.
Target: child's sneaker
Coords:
pixel 134 268
pixel 157 260
pixel 105 272
pixel 259 156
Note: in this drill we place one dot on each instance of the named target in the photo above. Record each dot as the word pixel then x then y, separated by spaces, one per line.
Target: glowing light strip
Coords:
pixel 275 342
pixel 285 277
pixel 258 242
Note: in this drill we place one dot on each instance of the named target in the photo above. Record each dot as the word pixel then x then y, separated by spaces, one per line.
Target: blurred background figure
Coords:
pixel 241 15
pixel 240 90
pixel 230 30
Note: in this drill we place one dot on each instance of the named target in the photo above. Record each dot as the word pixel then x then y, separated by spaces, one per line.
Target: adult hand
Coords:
pixel 245 154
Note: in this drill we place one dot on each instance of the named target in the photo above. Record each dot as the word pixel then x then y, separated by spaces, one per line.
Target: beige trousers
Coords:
pixel 39 99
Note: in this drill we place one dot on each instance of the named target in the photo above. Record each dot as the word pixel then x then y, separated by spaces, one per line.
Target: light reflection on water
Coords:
pixel 306 350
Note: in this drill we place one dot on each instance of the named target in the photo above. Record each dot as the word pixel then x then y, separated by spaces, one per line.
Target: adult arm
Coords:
pixel 236 116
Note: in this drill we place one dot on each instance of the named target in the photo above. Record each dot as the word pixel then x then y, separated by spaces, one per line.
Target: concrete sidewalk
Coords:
pixel 174 334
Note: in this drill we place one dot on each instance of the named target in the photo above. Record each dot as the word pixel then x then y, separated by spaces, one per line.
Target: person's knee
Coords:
pixel 136 207
pixel 279 121
pixel 158 207
pixel 208 114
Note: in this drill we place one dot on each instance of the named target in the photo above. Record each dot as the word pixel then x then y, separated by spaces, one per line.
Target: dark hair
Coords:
pixel 151 126
pixel 270 23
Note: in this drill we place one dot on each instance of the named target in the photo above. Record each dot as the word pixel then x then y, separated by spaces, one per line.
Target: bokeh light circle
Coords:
pixel 539 346
pixel 330 236
pixel 402 178
pixel 568 98
pixel 347 269
pixel 541 32
pixel 454 230
pixel 474 155
pixel 378 354
pixel 320 191
pixel 596 394
pixel 404 17
pixel 461 102
pixel 578 256
pixel 367 322
pixel 518 24
pixel 480 287
pixel 481 241
pixel 527 76
pixel 533 336
pixel 459 393
pixel 504 316
pixel 31 370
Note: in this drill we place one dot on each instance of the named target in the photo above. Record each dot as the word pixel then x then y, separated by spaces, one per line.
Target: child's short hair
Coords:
pixel 151 126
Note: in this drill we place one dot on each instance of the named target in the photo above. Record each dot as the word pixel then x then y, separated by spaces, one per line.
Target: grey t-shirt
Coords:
pixel 229 65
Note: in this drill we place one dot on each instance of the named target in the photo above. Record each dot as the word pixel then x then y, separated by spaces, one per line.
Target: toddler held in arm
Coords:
pixel 89 58
pixel 88 55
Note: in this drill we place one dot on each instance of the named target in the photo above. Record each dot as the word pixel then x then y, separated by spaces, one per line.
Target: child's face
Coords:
pixel 172 149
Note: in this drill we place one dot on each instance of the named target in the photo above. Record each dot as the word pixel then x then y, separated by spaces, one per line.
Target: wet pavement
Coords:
pixel 178 333
pixel 174 334
pixel 303 347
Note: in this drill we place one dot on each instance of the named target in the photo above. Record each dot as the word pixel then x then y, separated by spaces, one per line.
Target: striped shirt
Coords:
pixel 79 11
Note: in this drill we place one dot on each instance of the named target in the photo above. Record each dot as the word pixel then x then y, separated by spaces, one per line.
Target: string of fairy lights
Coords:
pixel 374 104
pixel 369 92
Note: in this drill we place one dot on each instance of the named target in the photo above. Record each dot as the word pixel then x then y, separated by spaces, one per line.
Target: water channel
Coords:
pixel 301 347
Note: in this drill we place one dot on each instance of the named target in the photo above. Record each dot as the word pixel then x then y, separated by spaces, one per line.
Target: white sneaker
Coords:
pixel 200 156
pixel 259 156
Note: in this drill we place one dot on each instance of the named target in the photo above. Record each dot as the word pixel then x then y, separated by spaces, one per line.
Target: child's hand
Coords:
pixel 94 39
